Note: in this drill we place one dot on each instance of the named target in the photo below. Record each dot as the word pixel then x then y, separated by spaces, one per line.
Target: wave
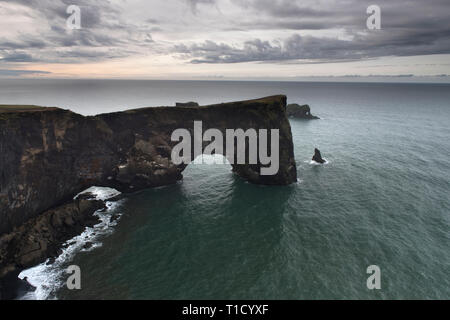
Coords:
pixel 50 276
pixel 314 163
pixel 101 193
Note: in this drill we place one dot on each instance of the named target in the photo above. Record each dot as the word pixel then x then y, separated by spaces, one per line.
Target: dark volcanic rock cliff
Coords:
pixel 47 155
pixel 41 237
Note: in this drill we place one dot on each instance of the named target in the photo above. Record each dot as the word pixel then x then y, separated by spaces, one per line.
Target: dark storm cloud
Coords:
pixel 344 13
pixel 381 43
pixel 16 57
pixel 408 28
pixel 94 11
pixel 22 43
pixel 102 32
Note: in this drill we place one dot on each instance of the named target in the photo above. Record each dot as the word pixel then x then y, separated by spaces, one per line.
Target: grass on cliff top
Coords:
pixel 266 100
pixel 22 108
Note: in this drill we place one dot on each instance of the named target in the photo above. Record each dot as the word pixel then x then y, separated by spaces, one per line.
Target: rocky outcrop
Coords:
pixel 47 155
pixel 41 237
pixel 300 112
pixel 317 156
pixel 187 104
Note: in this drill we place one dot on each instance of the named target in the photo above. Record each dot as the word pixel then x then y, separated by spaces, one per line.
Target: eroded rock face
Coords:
pixel 41 237
pixel 47 155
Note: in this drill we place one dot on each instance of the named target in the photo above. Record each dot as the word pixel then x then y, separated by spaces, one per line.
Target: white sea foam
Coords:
pixel 48 277
pixel 101 193
pixel 314 163
pixel 213 159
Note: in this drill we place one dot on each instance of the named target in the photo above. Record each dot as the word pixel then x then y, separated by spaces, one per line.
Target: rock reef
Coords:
pixel 300 111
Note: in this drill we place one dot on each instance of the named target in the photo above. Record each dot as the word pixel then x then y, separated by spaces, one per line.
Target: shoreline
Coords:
pixel 63 244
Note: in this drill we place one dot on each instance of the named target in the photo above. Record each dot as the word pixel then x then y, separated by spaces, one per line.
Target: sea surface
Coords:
pixel 382 199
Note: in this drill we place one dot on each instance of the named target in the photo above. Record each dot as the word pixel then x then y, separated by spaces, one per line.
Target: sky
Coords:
pixel 226 39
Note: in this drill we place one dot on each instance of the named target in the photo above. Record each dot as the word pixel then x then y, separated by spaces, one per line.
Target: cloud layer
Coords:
pixel 220 31
pixel 409 28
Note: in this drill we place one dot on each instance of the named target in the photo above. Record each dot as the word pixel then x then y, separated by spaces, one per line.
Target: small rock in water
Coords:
pixel 317 156
pixel 88 245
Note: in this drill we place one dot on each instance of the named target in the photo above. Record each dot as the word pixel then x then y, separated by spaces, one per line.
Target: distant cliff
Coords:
pixel 47 155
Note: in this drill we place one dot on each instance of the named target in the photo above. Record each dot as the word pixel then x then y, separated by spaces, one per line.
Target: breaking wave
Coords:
pixel 50 276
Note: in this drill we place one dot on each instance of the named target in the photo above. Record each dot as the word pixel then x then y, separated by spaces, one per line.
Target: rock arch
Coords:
pixel 49 154
pixel 148 155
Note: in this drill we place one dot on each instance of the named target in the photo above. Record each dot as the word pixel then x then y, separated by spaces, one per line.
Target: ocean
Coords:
pixel 383 199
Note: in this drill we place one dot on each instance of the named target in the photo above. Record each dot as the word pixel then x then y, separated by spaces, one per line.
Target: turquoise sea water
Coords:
pixel 382 199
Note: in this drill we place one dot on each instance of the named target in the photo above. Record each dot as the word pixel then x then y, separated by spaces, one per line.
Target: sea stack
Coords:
pixel 317 156
pixel 300 112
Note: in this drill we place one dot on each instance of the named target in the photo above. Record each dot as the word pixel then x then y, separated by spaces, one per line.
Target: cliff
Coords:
pixel 41 237
pixel 47 155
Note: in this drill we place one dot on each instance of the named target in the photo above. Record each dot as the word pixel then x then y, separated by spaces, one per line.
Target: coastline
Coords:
pixel 84 235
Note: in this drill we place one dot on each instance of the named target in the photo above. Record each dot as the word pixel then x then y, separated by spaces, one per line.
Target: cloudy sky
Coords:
pixel 224 39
